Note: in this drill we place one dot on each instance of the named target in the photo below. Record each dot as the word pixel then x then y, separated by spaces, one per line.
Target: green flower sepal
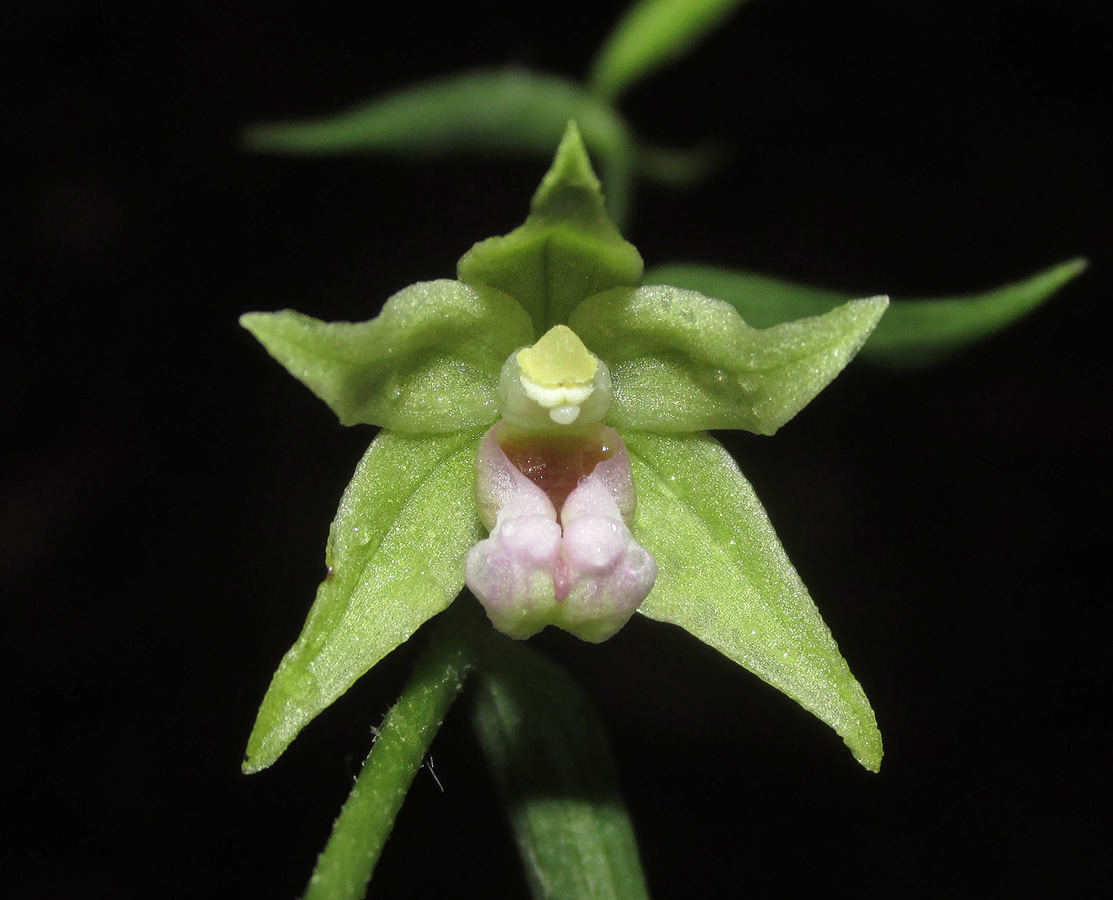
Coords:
pixel 427 371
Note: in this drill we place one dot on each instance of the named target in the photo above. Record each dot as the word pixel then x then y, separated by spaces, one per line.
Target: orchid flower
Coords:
pixel 543 442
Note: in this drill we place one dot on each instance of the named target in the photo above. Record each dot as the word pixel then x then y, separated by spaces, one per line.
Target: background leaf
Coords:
pixel 911 333
pixel 396 558
pixel 549 756
pixel 501 111
pixel 681 361
pixel 649 35
pixel 429 363
pixel 724 577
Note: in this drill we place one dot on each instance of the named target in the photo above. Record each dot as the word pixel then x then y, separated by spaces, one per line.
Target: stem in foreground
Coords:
pixel 345 865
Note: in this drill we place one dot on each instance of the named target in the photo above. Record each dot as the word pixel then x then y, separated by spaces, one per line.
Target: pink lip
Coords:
pixel 578 568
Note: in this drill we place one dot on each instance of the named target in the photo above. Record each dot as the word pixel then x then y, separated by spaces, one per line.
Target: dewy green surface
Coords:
pixel 567 250
pixel 396 557
pixel 681 361
pixel 913 331
pixel 649 35
pixel 428 363
pixel 724 577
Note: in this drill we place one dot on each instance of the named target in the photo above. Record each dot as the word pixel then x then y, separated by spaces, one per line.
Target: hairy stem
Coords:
pixel 345 865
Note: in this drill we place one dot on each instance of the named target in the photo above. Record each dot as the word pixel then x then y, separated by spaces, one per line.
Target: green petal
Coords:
pixel 650 34
pixel 429 363
pixel 724 577
pixel 396 557
pixel 913 332
pixel 549 756
pixel 504 111
pixel 681 361
pixel 567 250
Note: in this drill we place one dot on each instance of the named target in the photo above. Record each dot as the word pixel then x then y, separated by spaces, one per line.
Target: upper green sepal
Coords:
pixel 724 577
pixel 395 558
pixel 567 250
pixel 681 361
pixel 914 332
pixel 429 362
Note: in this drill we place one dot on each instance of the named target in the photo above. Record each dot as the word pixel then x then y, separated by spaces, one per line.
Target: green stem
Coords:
pixel 345 865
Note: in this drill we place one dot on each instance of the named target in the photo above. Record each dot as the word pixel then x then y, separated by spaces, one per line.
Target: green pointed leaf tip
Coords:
pixel 502 110
pixel 925 331
pixel 567 250
pixel 724 577
pixel 651 34
pixel 396 556
pixel 548 753
pixel 681 361
pixel 913 332
pixel 429 363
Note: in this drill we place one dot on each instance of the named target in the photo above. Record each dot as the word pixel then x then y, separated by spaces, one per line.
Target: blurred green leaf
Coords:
pixel 395 557
pixel 429 362
pixel 649 35
pixel 724 577
pixel 678 168
pixel 911 333
pixel 504 111
pixel 567 250
pixel 681 361
pixel 549 757
pixel 921 332
pixel 344 867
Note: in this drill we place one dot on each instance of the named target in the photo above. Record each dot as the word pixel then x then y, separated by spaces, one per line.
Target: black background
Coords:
pixel 167 488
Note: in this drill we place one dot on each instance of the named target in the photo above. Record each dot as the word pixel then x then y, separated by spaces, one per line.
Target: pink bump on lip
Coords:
pixel 560 552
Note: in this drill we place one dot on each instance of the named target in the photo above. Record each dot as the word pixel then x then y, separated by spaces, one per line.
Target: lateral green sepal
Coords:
pixel 724 577
pixel 567 250
pixel 429 362
pixel 680 361
pixel 914 332
pixel 395 558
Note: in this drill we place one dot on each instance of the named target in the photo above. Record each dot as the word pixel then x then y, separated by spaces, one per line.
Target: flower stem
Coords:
pixel 345 865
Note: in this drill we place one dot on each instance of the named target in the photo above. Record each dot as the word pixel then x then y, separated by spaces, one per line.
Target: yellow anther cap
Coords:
pixel 559 359
pixel 555 383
